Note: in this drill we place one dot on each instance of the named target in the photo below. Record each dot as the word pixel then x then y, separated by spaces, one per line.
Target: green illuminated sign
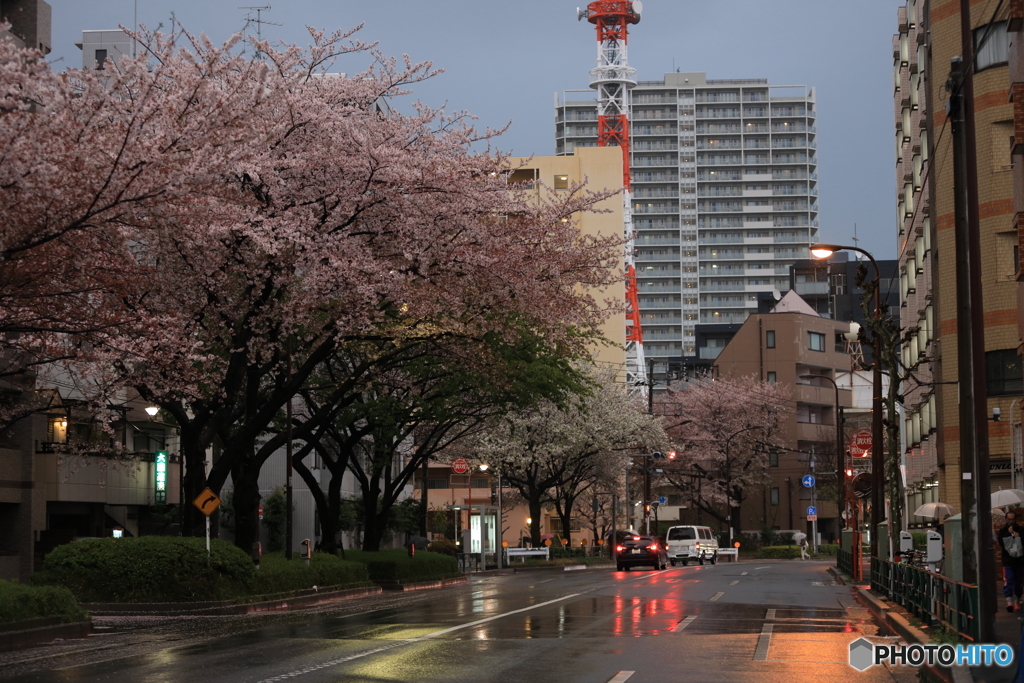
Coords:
pixel 160 474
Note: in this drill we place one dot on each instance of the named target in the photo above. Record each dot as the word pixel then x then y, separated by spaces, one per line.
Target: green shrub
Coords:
pixel 779 552
pixel 148 569
pixel 396 565
pixel 828 549
pixel 443 546
pixel 278 575
pixel 18 602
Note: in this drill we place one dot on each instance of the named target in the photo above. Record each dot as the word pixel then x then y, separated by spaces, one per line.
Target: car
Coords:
pixel 640 551
pixel 687 543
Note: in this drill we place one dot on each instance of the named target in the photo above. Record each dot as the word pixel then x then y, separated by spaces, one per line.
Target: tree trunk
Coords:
pixel 194 456
pixel 535 513
pixel 246 501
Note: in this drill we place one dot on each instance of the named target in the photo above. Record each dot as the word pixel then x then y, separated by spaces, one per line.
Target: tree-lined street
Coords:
pixel 759 620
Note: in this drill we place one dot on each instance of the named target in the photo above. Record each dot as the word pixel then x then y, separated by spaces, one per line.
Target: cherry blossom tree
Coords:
pixel 556 451
pixel 722 439
pixel 257 215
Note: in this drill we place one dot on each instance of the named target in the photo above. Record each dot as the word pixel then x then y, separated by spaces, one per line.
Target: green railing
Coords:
pixel 844 562
pixel 932 598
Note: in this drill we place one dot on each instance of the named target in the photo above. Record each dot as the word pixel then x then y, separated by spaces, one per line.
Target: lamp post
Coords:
pixel 840 450
pixel 877 435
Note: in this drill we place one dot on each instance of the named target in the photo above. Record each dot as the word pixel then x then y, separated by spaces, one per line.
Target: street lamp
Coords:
pixel 877 455
pixel 152 410
pixel 840 450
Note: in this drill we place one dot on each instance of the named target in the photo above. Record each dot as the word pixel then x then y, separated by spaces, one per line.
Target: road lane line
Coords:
pixel 763 641
pixel 743 574
pixel 770 615
pixel 684 623
pixel 429 636
pixel 621 677
pixel 716 596
pixel 756 568
pixel 734 582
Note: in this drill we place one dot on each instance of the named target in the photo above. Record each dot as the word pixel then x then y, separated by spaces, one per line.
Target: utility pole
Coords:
pixel 978 562
pixel 814 504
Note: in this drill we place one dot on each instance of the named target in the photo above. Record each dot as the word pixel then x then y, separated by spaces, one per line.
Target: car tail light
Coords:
pixel 653 547
pixel 619 548
pixel 697 544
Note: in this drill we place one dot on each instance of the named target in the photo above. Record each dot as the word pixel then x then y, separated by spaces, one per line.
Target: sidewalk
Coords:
pixel 898 621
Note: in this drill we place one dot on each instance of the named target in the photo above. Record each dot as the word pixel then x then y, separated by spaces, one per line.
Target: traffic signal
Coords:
pixel 647 510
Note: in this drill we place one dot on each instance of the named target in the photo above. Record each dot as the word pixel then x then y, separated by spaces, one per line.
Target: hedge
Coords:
pixel 148 569
pixel 18 603
pixel 396 565
pixel 278 575
pixel 789 552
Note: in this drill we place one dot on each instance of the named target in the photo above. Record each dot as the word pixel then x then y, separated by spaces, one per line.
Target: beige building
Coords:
pixel 785 346
pixel 600 168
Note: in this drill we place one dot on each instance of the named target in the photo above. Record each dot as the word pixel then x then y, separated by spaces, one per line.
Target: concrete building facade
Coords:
pixel 724 182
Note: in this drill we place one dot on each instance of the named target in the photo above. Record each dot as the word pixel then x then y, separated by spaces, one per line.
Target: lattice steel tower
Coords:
pixel 613 79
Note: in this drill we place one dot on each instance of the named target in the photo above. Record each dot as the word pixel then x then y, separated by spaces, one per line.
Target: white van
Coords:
pixel 687 543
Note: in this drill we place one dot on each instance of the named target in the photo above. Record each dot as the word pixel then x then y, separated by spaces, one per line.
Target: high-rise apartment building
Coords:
pixel 725 196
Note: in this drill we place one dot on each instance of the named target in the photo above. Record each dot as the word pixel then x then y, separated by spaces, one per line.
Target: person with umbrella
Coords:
pixel 1010 542
pixel 800 539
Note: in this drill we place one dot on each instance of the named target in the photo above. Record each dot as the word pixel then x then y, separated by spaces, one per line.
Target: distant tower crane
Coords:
pixel 613 78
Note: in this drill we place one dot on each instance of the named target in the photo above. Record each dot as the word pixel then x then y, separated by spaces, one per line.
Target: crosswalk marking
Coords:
pixel 716 596
pixel 734 582
pixel 769 615
pixel 684 623
pixel 763 642
pixel 743 574
pixel 621 677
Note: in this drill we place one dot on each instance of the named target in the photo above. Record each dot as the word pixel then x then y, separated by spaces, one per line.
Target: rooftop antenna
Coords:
pixel 856 240
pixel 259 21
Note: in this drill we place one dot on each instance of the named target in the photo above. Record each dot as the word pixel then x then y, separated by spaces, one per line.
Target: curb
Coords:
pixel 11 640
pixel 219 608
pixel 420 585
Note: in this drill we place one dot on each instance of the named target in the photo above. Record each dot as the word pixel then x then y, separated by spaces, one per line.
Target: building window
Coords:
pixel 773 458
pixel 772 377
pixel 991 45
pixel 101 58
pixel 561 182
pixel 816 341
pixel 437 483
pixel 1004 372
pixel 775 495
pixel 769 339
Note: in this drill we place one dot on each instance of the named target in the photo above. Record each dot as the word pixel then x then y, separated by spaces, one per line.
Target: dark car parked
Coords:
pixel 641 551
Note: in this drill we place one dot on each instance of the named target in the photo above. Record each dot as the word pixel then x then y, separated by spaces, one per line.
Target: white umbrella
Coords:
pixel 1006 497
pixel 799 536
pixel 936 510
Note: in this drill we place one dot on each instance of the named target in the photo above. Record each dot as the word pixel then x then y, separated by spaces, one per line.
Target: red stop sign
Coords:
pixel 460 466
pixel 860 443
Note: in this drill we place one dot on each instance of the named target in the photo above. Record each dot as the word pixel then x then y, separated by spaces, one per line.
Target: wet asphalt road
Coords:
pixel 750 621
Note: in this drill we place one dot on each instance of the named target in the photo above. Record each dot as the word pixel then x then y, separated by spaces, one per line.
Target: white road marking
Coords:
pixel 716 596
pixel 734 582
pixel 743 573
pixel 763 641
pixel 756 568
pixel 684 623
pixel 770 615
pixel 817 583
pixel 621 677
pixel 429 636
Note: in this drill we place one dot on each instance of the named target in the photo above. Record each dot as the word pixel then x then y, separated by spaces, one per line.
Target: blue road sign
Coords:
pixel 662 500
pixel 812 510
pixel 808 480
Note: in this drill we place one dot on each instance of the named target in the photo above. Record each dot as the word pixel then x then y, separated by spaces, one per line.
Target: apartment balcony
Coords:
pixel 812 288
pixel 650 288
pixel 650 274
pixel 639 241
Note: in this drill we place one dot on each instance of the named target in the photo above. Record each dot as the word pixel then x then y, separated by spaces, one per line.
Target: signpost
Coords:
pixel 207 502
pixel 460 466
pixel 808 481
pixel 861 442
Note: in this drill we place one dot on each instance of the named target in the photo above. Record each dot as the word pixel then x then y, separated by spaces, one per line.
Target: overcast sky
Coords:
pixel 504 61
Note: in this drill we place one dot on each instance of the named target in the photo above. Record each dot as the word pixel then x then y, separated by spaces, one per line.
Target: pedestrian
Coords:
pixel 1012 545
pixel 803 549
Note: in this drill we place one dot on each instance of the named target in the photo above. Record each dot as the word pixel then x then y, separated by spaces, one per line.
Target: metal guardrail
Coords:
pixel 844 561
pixel 932 598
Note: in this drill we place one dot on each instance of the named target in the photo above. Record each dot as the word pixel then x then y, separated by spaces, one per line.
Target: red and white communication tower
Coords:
pixel 613 79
